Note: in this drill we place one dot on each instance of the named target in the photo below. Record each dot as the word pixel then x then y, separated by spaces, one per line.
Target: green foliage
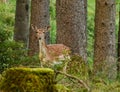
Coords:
pixel 61 88
pixel 7 14
pixel 90 31
pixel 77 67
pixel 101 85
pixel 10 52
pixel 53 21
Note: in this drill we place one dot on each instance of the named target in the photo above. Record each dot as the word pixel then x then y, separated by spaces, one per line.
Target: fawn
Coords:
pixel 52 53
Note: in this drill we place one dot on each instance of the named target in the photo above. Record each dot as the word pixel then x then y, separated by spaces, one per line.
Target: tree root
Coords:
pixel 75 78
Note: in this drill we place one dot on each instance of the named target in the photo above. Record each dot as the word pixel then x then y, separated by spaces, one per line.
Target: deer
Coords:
pixel 51 53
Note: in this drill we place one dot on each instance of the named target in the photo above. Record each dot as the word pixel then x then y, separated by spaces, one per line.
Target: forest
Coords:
pixel 59 45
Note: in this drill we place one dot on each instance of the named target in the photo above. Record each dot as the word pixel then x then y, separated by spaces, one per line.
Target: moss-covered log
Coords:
pixel 28 80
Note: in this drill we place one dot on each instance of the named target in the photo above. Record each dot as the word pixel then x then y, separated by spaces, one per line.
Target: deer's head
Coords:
pixel 40 33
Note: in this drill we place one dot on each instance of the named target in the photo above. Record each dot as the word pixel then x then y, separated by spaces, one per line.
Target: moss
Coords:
pixel 28 80
pixel 100 85
pixel 78 67
pixel 61 88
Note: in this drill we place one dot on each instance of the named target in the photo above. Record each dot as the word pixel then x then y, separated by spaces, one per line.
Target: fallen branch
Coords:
pixel 74 77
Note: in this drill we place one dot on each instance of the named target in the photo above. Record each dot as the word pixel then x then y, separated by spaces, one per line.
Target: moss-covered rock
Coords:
pixel 28 80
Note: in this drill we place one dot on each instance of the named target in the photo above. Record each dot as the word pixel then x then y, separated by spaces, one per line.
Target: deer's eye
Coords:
pixel 39 38
pixel 45 37
pixel 44 32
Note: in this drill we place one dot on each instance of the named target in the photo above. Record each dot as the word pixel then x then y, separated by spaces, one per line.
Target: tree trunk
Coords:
pixel 71 25
pixel 118 66
pixel 40 19
pixel 21 29
pixel 105 52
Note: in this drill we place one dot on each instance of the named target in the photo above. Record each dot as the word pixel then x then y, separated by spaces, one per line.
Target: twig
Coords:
pixel 74 77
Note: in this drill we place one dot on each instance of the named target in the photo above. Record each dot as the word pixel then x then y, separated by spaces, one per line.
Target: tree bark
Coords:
pixel 40 19
pixel 21 29
pixel 118 64
pixel 105 52
pixel 71 25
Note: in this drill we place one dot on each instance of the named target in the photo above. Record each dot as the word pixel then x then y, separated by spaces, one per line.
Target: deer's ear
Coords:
pixel 48 28
pixel 34 28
